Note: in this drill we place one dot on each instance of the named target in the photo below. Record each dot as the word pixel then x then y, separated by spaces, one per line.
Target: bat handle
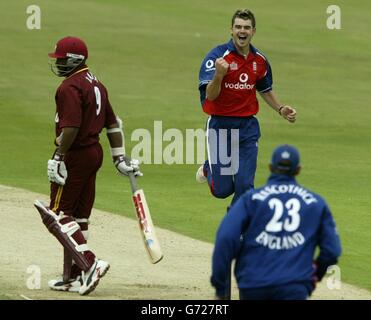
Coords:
pixel 133 182
pixel 132 179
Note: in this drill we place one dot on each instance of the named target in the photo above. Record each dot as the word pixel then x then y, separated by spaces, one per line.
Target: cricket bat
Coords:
pixel 146 226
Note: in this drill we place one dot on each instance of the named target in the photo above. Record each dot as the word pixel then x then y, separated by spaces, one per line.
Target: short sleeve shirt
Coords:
pixel 238 89
pixel 82 102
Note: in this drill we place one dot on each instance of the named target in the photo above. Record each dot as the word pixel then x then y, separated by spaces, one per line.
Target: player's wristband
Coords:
pixel 280 109
pixel 58 156
pixel 120 151
pixel 114 130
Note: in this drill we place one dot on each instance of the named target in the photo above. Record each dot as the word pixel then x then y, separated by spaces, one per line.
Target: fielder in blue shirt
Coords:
pixel 273 233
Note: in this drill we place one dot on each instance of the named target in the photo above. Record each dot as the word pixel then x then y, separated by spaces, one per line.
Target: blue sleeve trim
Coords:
pixel 203 83
pixel 265 90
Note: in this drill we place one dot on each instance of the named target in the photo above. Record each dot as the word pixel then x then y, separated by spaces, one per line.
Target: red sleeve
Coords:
pixel 265 80
pixel 69 107
pixel 262 69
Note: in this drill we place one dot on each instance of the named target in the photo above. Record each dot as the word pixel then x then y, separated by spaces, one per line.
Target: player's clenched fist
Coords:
pixel 221 67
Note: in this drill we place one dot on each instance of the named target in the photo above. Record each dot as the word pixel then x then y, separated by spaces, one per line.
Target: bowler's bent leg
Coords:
pixel 221 186
pixel 244 179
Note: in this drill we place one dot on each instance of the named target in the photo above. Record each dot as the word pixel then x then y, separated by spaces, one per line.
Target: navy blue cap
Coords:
pixel 285 158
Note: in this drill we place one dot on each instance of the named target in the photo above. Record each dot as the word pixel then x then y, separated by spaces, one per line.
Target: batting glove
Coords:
pixel 124 166
pixel 57 171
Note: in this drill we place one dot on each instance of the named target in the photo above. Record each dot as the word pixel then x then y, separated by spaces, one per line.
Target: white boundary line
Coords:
pixel 25 297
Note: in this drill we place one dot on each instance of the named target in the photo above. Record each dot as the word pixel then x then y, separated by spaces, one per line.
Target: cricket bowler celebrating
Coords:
pixel 82 111
pixel 273 233
pixel 229 76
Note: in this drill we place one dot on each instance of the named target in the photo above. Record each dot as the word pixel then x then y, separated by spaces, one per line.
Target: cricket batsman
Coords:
pixel 82 112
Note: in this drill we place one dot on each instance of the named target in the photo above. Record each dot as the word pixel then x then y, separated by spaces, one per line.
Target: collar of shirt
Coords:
pixel 231 47
pixel 274 177
pixel 78 70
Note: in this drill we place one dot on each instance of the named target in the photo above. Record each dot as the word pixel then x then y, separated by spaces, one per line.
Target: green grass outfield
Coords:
pixel 148 54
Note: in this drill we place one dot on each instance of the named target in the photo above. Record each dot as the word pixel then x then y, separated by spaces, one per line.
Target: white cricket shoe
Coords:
pixel 200 177
pixel 90 278
pixel 73 285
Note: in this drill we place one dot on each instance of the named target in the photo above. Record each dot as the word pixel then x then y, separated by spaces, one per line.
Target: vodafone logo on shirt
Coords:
pixel 244 77
pixel 241 85
pixel 210 66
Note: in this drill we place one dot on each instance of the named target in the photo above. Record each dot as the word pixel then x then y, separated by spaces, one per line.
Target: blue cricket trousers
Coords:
pixel 232 148
pixel 291 291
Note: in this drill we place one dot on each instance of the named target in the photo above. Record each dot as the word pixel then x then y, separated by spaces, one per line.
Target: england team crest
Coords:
pixel 233 66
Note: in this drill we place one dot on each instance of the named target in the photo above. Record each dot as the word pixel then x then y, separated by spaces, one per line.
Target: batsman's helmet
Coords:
pixel 285 159
pixel 70 52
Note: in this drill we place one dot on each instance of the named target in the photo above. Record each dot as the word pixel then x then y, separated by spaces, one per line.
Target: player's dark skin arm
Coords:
pixel 115 138
pixel 69 136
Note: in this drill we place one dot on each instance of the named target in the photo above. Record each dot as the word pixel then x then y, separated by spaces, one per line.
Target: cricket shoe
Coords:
pixel 73 285
pixel 200 175
pixel 90 278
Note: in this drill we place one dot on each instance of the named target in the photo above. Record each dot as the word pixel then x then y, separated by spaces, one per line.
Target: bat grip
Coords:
pixel 132 179
pixel 133 182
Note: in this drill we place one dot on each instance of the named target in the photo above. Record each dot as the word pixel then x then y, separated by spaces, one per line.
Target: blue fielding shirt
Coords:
pixel 273 232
